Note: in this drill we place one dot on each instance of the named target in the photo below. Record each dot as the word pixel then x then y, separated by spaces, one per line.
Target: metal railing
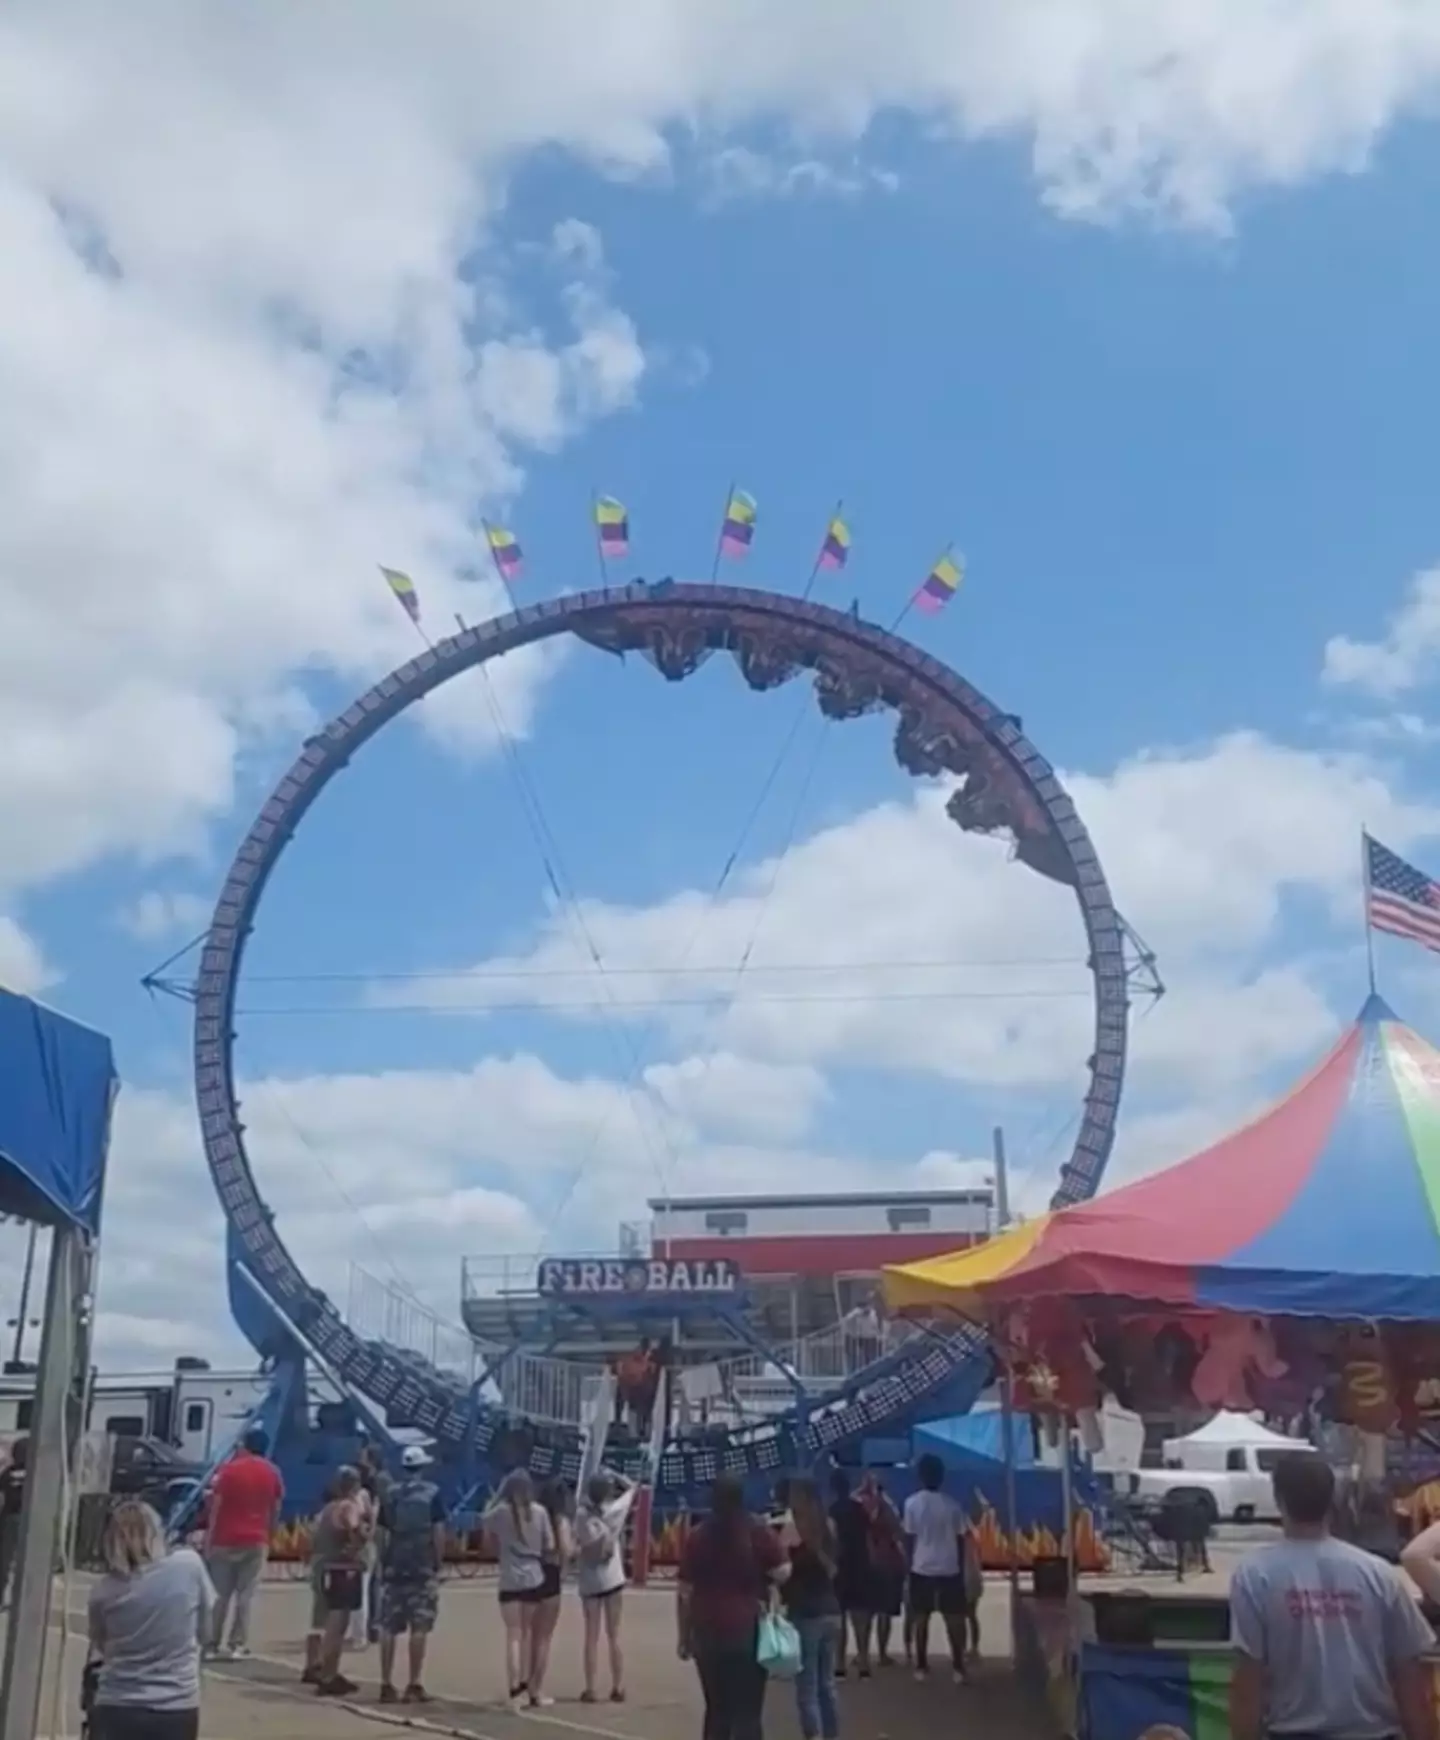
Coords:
pixel 744 1386
pixel 382 1311
pixel 499 1277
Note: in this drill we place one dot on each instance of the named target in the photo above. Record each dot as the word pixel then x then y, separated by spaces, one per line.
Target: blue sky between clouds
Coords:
pixel 1176 467
pixel 1177 464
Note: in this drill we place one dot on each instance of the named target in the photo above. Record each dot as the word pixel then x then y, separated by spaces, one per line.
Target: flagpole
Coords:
pixel 414 620
pixel 820 554
pixel 910 601
pixel 495 563
pixel 720 538
pixel 599 543
pixel 1365 895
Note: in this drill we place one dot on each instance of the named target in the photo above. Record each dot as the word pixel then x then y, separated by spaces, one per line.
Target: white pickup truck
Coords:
pixel 1239 1492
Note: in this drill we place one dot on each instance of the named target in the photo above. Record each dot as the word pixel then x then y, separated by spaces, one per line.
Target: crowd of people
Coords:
pixel 1327 1638
pixel 376 1555
pixel 839 1574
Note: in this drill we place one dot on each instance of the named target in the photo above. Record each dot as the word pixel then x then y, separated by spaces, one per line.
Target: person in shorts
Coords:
pixel 337 1583
pixel 935 1527
pixel 599 1547
pixel 523 1536
pixel 411 1552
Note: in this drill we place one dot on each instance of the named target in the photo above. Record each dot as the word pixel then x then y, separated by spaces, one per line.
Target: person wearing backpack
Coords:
pixel 412 1550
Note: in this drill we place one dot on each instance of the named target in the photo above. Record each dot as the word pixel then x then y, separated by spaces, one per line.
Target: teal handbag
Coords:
pixel 778 1647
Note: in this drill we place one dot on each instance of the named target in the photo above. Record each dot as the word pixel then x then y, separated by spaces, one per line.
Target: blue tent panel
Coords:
pixel 972 1448
pixel 57 1081
pixel 978 1434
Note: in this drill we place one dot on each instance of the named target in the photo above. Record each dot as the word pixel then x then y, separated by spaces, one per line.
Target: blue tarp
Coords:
pixel 57 1081
pixel 978 1434
pixel 972 1448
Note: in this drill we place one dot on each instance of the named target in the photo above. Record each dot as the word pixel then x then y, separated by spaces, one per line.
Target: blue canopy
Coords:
pixel 981 1434
pixel 972 1449
pixel 57 1082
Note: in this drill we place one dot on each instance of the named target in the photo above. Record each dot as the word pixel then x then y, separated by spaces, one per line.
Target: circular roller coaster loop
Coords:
pixel 944 727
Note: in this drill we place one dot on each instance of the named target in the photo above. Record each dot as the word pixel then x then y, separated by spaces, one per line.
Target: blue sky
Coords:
pixel 1179 460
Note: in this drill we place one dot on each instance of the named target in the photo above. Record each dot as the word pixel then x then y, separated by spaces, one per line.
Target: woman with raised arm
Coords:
pixel 599 1533
pixel 522 1534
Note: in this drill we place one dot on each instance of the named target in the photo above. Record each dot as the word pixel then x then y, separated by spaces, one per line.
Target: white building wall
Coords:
pixel 820 1219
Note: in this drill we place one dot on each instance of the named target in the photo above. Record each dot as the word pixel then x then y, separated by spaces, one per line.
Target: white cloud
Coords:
pixel 739 172
pixel 164 913
pixel 23 966
pixel 740 1096
pixel 893 940
pixel 940 1170
pixel 217 413
pixel 257 333
pixel 1402 731
pixel 1404 657
pixel 408 1172
pixel 1212 851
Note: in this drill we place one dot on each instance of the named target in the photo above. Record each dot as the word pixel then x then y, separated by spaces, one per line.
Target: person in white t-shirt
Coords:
pixel 935 1530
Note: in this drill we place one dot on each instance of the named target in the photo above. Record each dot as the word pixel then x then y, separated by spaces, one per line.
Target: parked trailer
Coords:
pixel 191 1409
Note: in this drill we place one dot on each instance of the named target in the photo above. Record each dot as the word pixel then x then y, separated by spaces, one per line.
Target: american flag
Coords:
pixel 1399 898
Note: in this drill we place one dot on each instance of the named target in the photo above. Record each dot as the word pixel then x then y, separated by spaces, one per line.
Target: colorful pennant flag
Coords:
pixel 612 526
pixel 737 532
pixel 939 586
pixel 405 594
pixel 505 548
pixel 835 551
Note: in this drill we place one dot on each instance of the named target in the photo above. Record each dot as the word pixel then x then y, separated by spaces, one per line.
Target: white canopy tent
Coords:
pixel 1208 1445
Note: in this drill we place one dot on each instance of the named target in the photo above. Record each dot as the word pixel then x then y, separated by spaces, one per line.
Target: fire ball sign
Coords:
pixel 632 1277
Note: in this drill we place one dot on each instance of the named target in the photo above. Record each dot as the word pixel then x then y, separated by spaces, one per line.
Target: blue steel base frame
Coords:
pixel 944 726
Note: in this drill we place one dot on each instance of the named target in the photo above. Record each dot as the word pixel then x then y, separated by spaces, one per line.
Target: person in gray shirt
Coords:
pixel 148 1616
pixel 522 1535
pixel 1328 1638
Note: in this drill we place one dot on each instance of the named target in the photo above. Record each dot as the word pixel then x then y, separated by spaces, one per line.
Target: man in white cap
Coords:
pixel 412 1550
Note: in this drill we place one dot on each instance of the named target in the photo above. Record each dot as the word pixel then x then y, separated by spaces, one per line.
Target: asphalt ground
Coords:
pixel 262 1698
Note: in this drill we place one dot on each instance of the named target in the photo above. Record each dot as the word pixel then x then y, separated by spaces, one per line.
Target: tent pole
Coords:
pixel 1067 1501
pixel 1369 927
pixel 46 1480
pixel 1002 1179
pixel 1012 1504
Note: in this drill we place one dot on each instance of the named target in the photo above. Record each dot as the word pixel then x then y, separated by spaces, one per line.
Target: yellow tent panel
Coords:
pixel 963 1279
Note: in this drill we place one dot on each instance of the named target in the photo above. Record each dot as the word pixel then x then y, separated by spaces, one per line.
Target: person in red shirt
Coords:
pixel 727 1569
pixel 245 1499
